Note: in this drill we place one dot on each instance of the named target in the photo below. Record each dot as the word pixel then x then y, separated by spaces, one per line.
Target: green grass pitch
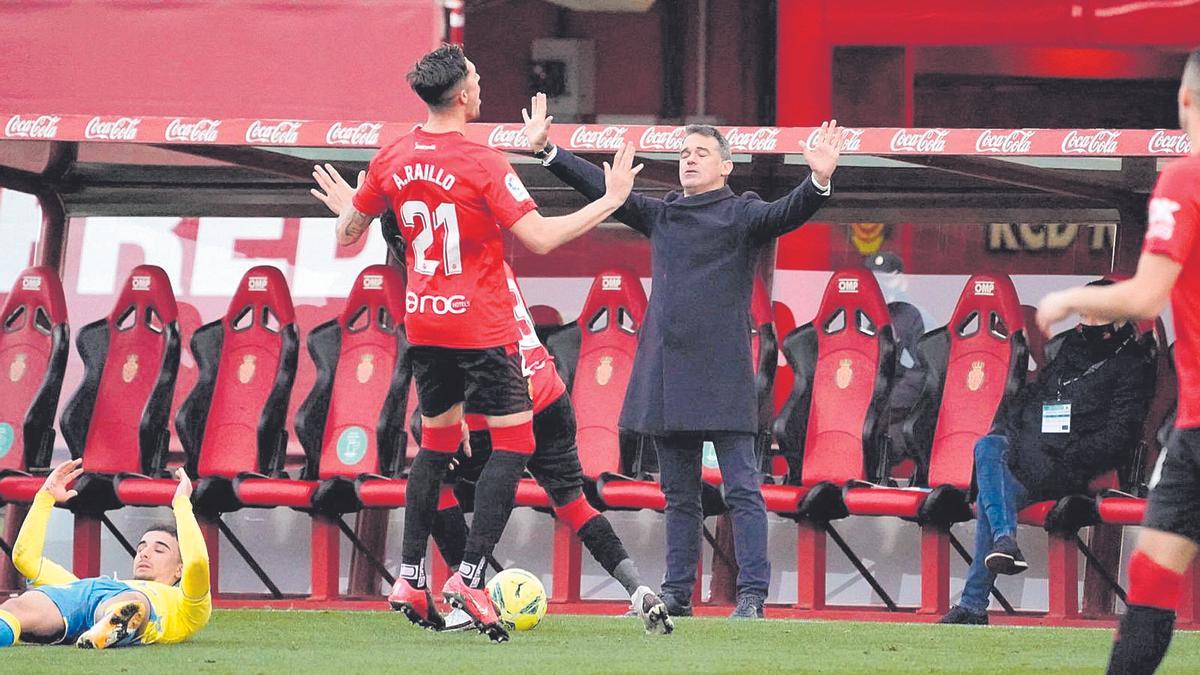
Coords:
pixel 296 642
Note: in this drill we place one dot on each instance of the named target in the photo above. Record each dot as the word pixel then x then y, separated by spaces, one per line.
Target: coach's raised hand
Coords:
pixel 537 124
pixel 61 477
pixel 823 153
pixel 618 177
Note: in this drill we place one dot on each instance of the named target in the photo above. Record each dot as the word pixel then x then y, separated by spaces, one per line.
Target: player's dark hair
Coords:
pixel 1191 72
pixel 169 528
pixel 437 75
pixel 710 132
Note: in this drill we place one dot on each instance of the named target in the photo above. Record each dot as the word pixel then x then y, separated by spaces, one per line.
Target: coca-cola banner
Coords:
pixel 597 138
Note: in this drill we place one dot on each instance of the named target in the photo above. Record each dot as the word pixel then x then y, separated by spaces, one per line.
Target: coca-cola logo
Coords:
pixel 200 131
pixel 1169 143
pixel 44 126
pixel 1015 142
pixel 366 133
pixel 762 139
pixel 501 137
pixel 1100 141
pixel 666 140
pixel 120 129
pixel 280 133
pixel 929 140
pixel 851 139
pixel 607 138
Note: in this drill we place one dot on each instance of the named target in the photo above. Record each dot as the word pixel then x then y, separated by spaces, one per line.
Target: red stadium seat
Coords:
pixel 973 365
pixel 117 419
pixel 34 341
pixel 352 422
pixel 232 424
pixel 831 427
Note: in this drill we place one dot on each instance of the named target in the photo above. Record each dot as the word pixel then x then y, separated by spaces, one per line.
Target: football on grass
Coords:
pixel 519 597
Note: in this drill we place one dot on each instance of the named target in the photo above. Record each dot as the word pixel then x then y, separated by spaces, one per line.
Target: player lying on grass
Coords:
pixel 167 600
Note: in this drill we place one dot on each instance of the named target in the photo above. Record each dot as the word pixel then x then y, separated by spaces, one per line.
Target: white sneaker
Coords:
pixel 653 613
pixel 458 620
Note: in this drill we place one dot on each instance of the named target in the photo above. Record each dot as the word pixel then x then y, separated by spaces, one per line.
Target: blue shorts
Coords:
pixel 79 600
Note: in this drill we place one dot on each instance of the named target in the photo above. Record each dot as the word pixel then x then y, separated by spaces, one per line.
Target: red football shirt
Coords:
pixel 452 197
pixel 545 385
pixel 1174 230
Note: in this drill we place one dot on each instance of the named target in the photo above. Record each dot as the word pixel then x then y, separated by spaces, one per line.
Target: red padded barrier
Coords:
pixel 615 306
pixel 146 491
pixel 33 309
pixel 1113 510
pixel 276 492
pixel 132 366
pixel 361 383
pixel 977 374
pixel 246 374
pixel 383 494
pixel 844 379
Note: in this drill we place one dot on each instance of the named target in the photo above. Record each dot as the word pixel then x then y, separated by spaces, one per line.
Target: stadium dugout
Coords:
pixel 209 153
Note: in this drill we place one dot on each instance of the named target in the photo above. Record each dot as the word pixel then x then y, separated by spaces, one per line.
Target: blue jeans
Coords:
pixel 679 460
pixel 1001 495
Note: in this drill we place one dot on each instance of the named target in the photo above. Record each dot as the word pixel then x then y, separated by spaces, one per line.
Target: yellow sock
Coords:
pixel 10 629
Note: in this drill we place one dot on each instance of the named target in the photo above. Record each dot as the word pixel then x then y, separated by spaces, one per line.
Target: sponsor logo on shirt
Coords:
pixel 986 288
pixel 515 187
pixel 847 285
pixel 1162 218
pixel 436 304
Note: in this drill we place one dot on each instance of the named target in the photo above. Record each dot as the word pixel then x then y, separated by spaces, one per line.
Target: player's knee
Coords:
pixel 517 438
pixel 1171 551
pixel 575 513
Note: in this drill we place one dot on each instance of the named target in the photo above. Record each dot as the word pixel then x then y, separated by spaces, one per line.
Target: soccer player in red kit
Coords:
pixel 556 467
pixel 1169 269
pixel 454 198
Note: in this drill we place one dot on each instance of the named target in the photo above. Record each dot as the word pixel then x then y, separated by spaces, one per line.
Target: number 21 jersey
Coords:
pixel 452 198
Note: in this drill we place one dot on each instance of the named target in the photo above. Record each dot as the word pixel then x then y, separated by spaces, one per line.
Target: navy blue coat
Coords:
pixel 693 370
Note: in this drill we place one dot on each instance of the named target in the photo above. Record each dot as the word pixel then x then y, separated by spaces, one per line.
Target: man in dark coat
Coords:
pixel 1080 419
pixel 693 378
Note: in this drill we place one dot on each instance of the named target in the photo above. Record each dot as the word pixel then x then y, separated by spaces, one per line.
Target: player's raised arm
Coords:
pixel 1145 296
pixel 543 234
pixel 195 578
pixel 338 196
pixel 27 549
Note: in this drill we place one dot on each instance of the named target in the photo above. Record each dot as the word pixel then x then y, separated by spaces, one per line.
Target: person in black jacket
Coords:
pixel 1080 419
pixel 693 378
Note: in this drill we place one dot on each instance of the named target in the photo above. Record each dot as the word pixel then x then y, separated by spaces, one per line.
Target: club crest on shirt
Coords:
pixel 604 371
pixel 245 372
pixel 366 368
pixel 130 369
pixel 16 369
pixel 515 187
pixel 1162 218
pixel 975 377
pixel 844 375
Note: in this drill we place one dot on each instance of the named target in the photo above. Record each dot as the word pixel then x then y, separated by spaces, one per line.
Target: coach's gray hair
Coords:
pixel 711 132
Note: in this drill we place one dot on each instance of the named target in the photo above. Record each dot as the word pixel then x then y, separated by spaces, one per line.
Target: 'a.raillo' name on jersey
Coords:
pixel 425 172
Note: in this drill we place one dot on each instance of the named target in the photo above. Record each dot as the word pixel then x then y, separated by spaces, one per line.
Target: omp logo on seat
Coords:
pixel 610 282
pixel 986 288
pixel 372 282
pixel 847 285
pixel 140 283
pixel 31 283
pixel 256 284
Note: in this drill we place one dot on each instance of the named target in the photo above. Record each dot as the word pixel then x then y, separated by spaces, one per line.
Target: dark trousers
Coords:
pixel 679 459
